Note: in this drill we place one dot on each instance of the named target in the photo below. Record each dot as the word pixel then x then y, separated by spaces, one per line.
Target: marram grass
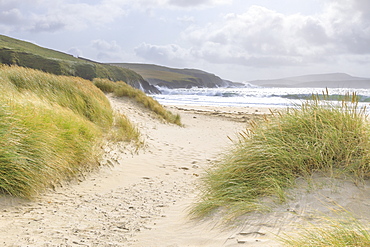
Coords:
pixel 124 130
pixel 42 146
pixel 333 232
pixel 50 127
pixel 317 136
pixel 73 93
pixel 121 89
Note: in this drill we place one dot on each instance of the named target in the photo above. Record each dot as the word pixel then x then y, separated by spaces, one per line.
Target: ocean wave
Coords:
pixel 251 96
pixel 333 97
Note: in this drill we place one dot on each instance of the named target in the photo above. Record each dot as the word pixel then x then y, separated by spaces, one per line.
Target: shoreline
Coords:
pixel 238 114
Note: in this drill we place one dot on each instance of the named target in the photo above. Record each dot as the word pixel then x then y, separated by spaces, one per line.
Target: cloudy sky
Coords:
pixel 239 40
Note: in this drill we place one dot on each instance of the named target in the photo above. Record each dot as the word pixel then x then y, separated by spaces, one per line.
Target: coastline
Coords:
pixel 142 199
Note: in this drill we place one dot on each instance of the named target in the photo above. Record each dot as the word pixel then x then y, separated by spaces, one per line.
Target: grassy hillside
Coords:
pixel 163 77
pixel 26 47
pixel 50 127
pixel 175 78
pixel 25 54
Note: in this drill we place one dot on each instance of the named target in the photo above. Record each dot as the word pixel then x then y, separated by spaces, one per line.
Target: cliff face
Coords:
pixel 176 78
pixel 25 54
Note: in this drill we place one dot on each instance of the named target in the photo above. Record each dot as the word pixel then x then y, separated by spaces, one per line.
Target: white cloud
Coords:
pixel 107 51
pixel 348 23
pixel 171 55
pixel 46 24
pixel 11 16
pixel 264 36
pixel 58 15
pixel 186 19
pixel 78 16
pixel 102 45
pixel 6 4
pixel 51 16
pixel 242 38
pixel 196 3
pixel 76 52
pixel 174 3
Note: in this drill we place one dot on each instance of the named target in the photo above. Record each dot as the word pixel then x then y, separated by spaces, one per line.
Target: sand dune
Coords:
pixel 142 199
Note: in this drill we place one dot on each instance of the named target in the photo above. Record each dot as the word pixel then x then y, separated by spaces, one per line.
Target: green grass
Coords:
pixel 50 127
pixel 317 136
pixel 121 89
pixel 28 55
pixel 124 130
pixel 27 47
pixel 165 75
pixel 336 233
pixel 78 95
pixel 150 71
pixel 173 78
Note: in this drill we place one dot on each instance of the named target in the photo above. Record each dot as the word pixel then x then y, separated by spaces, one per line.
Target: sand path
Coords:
pixel 143 198
pixel 117 205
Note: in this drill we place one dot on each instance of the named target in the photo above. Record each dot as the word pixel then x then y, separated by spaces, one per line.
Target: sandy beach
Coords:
pixel 141 198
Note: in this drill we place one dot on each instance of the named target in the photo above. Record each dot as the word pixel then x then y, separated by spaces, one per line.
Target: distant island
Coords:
pixel 333 80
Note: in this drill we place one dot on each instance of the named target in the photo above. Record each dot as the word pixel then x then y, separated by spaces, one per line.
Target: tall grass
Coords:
pixel 42 145
pixel 121 89
pixel 317 136
pixel 71 92
pixel 50 127
pixel 336 233
pixel 124 130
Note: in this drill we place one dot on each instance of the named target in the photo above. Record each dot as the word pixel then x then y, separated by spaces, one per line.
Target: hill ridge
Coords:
pixel 27 54
pixel 163 76
pixel 317 80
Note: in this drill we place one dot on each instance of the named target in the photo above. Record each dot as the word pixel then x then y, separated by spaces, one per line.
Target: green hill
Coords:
pixel 25 54
pixel 175 78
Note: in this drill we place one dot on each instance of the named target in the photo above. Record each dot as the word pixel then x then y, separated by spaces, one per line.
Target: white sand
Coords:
pixel 142 200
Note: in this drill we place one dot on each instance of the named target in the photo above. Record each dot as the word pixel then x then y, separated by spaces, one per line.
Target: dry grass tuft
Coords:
pixel 121 89
pixel 332 232
pixel 317 136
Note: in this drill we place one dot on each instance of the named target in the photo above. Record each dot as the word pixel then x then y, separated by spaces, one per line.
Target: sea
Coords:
pixel 252 96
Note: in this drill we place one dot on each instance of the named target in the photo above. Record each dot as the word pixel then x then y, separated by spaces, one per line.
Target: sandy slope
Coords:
pixel 115 205
pixel 142 200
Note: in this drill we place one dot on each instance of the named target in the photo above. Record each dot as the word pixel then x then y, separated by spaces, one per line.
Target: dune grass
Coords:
pixel 73 93
pixel 121 89
pixel 333 232
pixel 124 130
pixel 316 136
pixel 50 127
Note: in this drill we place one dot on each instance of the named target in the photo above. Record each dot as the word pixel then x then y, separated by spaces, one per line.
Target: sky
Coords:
pixel 238 40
